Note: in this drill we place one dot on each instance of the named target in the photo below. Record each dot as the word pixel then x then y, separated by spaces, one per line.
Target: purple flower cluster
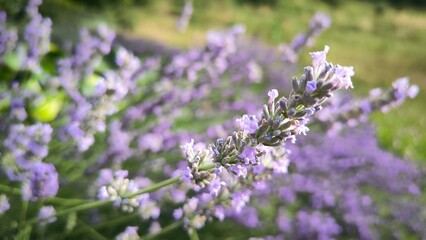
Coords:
pixel 42 182
pixel 28 145
pixel 334 190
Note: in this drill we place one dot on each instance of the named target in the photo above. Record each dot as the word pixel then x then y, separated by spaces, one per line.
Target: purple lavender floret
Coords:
pixel 216 185
pixel 187 175
pixel 42 182
pixel 248 123
pixel 249 155
pixel 28 144
pixel 311 86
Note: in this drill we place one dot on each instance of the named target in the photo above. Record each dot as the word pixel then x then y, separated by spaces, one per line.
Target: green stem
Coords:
pixel 155 187
pixel 11 190
pixel 164 230
pixel 78 208
pixel 193 235
pixel 96 204
pixel 113 222
pixel 95 234
pixel 53 200
pixel 24 210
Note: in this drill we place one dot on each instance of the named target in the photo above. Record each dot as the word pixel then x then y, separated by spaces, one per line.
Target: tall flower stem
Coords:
pixel 193 235
pixel 155 187
pixel 52 200
pixel 96 204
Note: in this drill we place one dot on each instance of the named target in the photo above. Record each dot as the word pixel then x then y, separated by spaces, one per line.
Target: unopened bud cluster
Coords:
pixel 117 189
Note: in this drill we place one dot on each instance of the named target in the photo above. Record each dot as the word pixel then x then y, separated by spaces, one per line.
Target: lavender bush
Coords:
pixel 100 143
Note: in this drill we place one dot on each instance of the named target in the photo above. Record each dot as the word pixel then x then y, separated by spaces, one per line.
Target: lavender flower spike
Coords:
pixel 282 120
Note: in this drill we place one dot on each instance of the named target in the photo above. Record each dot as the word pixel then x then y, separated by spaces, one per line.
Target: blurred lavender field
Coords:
pixel 208 120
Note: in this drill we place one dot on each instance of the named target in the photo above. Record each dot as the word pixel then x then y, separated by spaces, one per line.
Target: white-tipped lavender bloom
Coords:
pixel 342 76
pixel 148 208
pixel 273 94
pixel 336 75
pixel 154 228
pixel 319 59
pixel 131 233
pixel 46 215
pixel 4 204
pixel 117 190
